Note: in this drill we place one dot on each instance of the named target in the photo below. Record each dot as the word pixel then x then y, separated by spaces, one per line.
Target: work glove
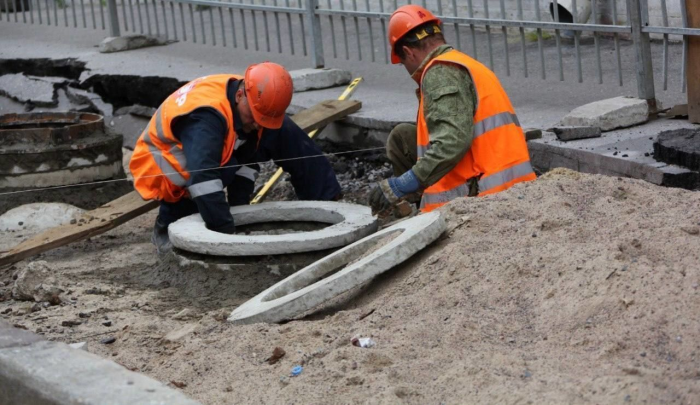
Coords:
pixel 387 193
pixel 160 237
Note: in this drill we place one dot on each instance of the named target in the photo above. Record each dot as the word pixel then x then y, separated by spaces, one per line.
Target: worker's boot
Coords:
pixel 160 237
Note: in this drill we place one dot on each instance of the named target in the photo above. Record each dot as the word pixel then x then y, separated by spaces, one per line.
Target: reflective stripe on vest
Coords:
pixel 444 197
pixel 504 176
pixel 248 173
pixel 165 167
pixel 421 149
pixel 495 121
pixel 481 127
pixel 205 187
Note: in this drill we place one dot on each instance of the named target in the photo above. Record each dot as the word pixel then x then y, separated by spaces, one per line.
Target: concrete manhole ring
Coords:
pixel 350 222
pixel 301 292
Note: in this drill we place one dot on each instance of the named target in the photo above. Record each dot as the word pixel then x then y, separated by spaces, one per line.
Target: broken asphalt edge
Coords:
pixel 37 371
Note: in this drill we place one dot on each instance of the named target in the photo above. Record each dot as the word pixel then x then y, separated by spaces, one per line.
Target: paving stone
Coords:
pixel 15 337
pixel 532 133
pixel 310 79
pixel 618 112
pixel 574 133
pixel 127 42
pixel 23 89
pixel 679 147
pixel 54 373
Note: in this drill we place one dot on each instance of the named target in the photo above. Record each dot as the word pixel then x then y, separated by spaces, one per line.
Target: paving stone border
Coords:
pixel 36 371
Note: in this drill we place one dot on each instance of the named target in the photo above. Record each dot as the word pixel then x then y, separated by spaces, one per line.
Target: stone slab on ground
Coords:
pixel 129 125
pixel 574 133
pixel 618 112
pixel 38 216
pixel 127 42
pixel 625 152
pixel 23 89
pixel 35 371
pixel 78 96
pixel 138 110
pixel 312 79
pixel 680 147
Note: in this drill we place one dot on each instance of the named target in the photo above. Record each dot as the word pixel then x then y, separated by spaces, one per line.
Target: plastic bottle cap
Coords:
pixel 297 370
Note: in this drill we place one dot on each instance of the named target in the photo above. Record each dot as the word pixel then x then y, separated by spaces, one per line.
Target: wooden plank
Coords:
pixel 92 223
pixel 131 205
pixel 693 64
pixel 324 113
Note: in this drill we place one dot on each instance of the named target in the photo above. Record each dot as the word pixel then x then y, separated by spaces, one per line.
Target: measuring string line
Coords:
pixel 190 171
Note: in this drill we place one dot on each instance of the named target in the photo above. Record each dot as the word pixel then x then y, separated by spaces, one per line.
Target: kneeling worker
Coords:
pixel 200 136
pixel 467 141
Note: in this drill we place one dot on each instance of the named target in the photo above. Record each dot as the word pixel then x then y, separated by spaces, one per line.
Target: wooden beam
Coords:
pixel 131 205
pixel 693 65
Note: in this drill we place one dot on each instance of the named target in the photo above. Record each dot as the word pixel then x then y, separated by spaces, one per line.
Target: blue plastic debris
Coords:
pixel 297 370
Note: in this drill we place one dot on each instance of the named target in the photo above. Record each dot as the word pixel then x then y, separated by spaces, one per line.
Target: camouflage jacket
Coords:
pixel 449 102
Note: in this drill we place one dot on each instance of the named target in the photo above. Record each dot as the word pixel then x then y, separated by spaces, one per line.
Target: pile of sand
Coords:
pixel 571 289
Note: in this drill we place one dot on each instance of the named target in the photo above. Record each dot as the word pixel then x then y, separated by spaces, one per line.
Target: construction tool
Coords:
pixel 275 177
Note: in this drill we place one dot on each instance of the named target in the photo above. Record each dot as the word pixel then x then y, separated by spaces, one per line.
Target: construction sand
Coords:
pixel 571 289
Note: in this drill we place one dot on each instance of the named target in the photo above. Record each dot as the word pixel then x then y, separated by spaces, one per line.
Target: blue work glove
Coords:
pixel 387 193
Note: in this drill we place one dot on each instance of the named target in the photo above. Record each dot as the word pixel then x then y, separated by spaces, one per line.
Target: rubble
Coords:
pixel 37 282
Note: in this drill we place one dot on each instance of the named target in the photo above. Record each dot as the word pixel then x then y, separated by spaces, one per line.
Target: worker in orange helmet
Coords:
pixel 210 135
pixel 467 140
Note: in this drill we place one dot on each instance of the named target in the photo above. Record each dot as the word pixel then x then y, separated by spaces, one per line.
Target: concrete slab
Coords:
pixel 350 222
pixel 312 79
pixel 129 125
pixel 41 372
pixel 128 42
pixel 78 96
pixel 618 112
pixel 304 291
pixel 625 152
pixel 24 90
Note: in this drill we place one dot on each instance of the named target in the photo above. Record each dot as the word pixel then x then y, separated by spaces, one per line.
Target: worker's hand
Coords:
pixel 382 196
pixel 388 192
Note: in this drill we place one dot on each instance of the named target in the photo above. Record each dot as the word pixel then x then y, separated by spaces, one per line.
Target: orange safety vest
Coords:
pixel 498 156
pixel 158 164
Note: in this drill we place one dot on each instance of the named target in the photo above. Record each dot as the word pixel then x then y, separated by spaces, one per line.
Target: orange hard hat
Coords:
pixel 403 20
pixel 269 89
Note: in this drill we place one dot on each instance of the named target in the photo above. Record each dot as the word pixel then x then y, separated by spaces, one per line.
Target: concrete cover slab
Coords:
pixel 301 292
pixel 618 112
pixel 23 89
pixel 350 223
pixel 311 79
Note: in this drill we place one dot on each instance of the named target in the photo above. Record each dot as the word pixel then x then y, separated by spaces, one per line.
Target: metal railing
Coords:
pixel 357 29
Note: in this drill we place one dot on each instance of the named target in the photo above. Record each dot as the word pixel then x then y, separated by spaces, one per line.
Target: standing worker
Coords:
pixel 200 136
pixel 467 140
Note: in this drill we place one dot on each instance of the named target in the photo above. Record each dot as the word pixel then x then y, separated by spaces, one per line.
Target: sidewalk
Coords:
pixel 387 93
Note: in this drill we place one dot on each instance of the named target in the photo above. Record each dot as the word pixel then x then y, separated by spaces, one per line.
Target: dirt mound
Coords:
pixel 571 289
